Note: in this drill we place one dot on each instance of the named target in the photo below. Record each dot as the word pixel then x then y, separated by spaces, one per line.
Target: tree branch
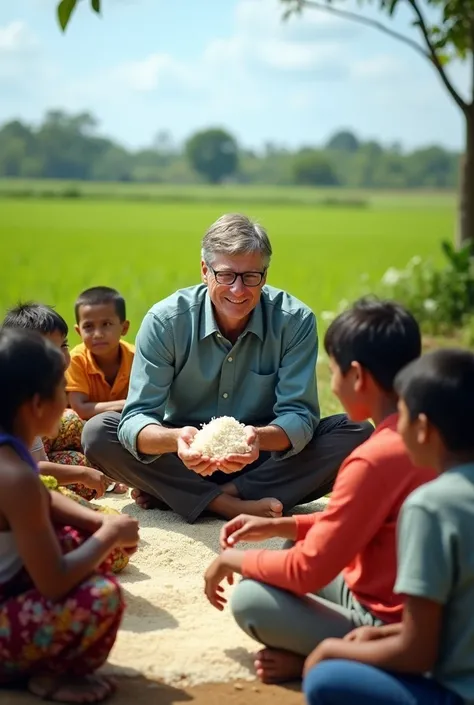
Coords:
pixel 374 24
pixel 430 55
pixel 434 58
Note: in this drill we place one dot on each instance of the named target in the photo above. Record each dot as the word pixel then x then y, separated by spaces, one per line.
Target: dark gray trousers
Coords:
pixel 299 479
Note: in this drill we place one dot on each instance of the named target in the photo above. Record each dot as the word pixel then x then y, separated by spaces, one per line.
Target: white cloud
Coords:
pixel 16 38
pixel 261 44
pixel 19 49
pixel 147 74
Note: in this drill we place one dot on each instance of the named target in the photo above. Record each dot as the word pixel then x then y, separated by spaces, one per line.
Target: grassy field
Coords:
pixel 52 248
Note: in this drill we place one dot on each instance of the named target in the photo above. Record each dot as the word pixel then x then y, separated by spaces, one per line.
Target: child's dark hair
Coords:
pixel 382 336
pixel 34 316
pixel 99 295
pixel 441 385
pixel 30 365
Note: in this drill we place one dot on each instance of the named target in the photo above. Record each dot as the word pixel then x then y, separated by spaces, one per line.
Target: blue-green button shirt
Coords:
pixel 185 372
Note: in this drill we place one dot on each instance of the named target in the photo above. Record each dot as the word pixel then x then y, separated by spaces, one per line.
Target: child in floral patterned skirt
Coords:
pixel 60 606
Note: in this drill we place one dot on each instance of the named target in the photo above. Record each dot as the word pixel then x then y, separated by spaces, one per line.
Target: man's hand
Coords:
pixel 236 462
pixel 246 528
pixel 213 578
pixel 95 480
pixel 193 460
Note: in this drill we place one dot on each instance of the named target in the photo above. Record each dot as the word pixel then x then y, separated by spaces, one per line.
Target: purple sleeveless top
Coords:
pixel 19 448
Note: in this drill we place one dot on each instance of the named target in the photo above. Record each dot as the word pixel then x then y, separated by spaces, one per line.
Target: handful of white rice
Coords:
pixel 221 437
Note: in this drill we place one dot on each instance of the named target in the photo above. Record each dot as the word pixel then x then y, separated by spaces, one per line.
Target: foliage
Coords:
pixel 70 147
pixel 213 153
pixel 313 168
pixel 344 141
pixel 66 8
pixel 446 31
pixel 442 298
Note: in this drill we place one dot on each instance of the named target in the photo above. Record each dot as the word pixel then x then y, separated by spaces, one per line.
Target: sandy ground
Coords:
pixel 173 646
pixel 170 632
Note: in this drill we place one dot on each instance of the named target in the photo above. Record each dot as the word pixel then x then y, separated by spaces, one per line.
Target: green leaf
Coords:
pixel 443 59
pixel 95 4
pixel 65 9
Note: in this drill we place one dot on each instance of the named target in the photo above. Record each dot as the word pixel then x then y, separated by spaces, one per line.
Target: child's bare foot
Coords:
pixel 278 666
pixel 147 501
pixel 71 689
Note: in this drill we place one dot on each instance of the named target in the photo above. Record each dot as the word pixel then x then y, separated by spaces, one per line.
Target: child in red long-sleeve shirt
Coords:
pixel 341 571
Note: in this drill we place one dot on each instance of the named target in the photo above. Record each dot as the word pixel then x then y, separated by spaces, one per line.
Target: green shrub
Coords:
pixel 442 299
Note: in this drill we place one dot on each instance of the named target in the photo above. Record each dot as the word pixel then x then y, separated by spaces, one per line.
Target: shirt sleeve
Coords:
pixel 425 554
pixel 338 533
pixel 77 379
pixel 150 381
pixel 297 407
pixel 37 450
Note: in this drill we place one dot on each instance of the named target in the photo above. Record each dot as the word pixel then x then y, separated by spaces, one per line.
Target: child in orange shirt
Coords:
pixel 341 571
pixel 99 373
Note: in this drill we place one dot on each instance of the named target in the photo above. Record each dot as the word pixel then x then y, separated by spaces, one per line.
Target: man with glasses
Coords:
pixel 230 346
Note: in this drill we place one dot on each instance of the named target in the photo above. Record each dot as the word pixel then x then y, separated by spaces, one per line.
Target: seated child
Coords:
pixel 341 571
pixel 428 659
pixel 99 374
pixel 61 457
pixel 60 607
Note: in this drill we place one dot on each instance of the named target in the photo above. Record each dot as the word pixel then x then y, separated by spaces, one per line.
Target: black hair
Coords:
pixel 34 316
pixel 441 385
pixel 30 365
pixel 382 336
pixel 99 295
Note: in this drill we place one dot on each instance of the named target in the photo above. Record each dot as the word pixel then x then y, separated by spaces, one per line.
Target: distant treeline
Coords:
pixel 69 147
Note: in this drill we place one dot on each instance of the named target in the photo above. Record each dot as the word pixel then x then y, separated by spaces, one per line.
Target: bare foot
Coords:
pixel 278 666
pixel 229 507
pixel 117 488
pixel 148 501
pixel 71 689
pixel 268 507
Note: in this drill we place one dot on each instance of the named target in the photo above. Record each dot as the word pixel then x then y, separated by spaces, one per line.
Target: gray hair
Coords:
pixel 235 234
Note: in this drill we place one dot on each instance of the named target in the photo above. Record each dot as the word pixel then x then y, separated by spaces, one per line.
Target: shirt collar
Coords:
pixel 208 324
pixel 390 421
pixel 94 369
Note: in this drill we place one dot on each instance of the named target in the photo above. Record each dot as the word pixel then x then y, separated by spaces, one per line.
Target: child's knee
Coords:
pixel 246 604
pixel 104 596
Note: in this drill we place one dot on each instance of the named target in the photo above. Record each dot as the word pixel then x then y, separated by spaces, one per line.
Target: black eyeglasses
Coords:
pixel 228 278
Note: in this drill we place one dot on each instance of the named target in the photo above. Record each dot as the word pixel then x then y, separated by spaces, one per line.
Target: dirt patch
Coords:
pixel 143 691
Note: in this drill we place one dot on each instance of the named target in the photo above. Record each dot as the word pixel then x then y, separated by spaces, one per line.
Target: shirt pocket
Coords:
pixel 260 396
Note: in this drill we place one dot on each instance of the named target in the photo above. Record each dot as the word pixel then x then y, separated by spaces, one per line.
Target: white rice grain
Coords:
pixel 220 437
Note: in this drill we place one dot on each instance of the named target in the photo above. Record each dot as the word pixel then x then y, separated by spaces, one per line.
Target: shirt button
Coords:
pixel 229 359
pixel 225 395
pixel 219 335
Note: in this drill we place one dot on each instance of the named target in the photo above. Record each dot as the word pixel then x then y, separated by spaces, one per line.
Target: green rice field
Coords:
pixel 147 243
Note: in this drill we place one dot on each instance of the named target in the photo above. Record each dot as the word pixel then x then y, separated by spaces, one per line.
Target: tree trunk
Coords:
pixel 465 230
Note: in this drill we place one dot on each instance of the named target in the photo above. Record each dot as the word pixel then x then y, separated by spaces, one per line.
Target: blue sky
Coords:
pixel 151 65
